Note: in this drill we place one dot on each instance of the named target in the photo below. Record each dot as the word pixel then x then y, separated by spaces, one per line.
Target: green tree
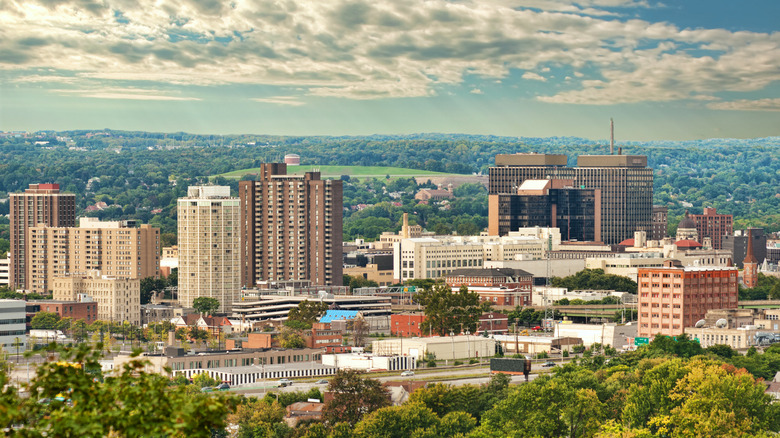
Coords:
pixel 447 312
pixel 595 279
pixel 142 404
pixel 205 305
pixel 149 286
pixel 203 380
pixel 289 338
pixel 353 397
pixel 45 321
pixel 259 418
pixel 307 312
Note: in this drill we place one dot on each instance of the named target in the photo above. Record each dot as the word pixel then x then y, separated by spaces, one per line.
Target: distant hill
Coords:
pixel 337 171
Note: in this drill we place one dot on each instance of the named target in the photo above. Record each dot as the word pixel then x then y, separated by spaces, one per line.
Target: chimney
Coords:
pixel 611 136
pixel 405 227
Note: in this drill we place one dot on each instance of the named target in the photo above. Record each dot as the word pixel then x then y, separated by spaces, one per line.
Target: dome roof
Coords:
pixel 686 222
pixel 687 243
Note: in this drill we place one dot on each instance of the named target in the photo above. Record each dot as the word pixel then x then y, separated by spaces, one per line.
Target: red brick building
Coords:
pixel 65 309
pixel 406 324
pixel 713 225
pixel 493 323
pixel 674 297
pixel 502 287
pixel 322 335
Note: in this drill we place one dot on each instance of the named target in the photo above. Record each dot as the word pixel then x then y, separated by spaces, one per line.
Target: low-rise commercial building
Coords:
pixel 448 347
pixel 619 336
pixel 86 310
pixel 12 321
pixel 501 287
pixel 276 308
pixel 364 361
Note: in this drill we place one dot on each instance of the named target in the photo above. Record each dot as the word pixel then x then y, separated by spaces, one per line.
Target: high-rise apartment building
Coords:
pixel 547 203
pixel 674 297
pixel 713 225
pixel 39 204
pixel 625 181
pixel 116 249
pixel 291 227
pixel 209 250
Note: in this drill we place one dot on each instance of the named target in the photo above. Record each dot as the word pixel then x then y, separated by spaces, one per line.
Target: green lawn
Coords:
pixel 352 171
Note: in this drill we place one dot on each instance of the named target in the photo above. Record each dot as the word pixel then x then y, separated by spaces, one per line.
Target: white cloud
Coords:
pixel 123 94
pixel 279 100
pixel 360 49
pixel 772 104
pixel 475 91
pixel 531 76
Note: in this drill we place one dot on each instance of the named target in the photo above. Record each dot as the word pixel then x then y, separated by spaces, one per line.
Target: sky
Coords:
pixel 672 70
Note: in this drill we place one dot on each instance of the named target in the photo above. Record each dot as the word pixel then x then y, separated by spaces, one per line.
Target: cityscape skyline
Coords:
pixel 526 68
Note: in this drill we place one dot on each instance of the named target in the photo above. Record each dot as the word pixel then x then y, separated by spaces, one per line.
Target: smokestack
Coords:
pixel 611 136
pixel 405 227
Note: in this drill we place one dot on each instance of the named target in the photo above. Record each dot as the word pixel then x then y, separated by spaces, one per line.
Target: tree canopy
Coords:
pixel 205 305
pixel 447 312
pixel 595 279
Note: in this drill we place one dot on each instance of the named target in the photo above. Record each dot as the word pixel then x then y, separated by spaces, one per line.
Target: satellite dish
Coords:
pixel 700 323
pixel 721 323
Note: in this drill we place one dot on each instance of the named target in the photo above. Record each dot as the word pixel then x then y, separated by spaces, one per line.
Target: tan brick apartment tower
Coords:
pixel 39 204
pixel 209 250
pixel 116 249
pixel 713 225
pixel 290 227
pixel 674 297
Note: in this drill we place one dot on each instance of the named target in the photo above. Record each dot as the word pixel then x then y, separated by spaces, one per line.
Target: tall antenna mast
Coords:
pixel 611 136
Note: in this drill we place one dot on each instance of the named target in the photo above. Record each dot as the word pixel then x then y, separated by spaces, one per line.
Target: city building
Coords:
pixel 750 265
pixel 208 246
pixel 39 204
pixel 322 335
pixel 388 238
pixel 376 267
pixel 291 227
pixel 169 260
pixel 659 222
pixel 441 347
pixel 116 249
pixel 86 310
pixel 674 297
pixel 116 299
pixel 435 257
pixel 501 287
pixel 619 336
pixel 5 268
pixel 547 296
pixel 686 230
pixel 713 225
pixel 554 203
pixel 737 244
pixel 367 361
pixel 433 194
pixel 407 324
pixel 625 181
pixel 493 323
pixel 12 320
pixel 276 308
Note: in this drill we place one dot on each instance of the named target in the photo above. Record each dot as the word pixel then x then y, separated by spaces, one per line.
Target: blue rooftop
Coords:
pixel 333 315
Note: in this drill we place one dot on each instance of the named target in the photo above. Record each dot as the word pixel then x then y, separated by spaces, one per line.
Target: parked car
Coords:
pixel 223 387
pixel 407 374
pixel 284 382
pixel 206 389
pixel 321 382
pixel 548 364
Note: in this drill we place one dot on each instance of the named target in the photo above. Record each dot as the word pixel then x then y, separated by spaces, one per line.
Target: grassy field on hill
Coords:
pixel 352 171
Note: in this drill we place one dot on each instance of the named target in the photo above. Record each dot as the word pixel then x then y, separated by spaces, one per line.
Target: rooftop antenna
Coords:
pixel 611 136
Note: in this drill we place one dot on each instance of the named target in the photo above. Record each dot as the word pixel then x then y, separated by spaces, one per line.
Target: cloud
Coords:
pixel 475 91
pixel 533 76
pixel 772 104
pixel 124 94
pixel 280 100
pixel 359 49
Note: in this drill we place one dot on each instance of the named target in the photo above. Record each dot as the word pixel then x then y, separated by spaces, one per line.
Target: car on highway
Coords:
pixel 407 374
pixel 206 389
pixel 321 382
pixel 284 382
pixel 222 387
pixel 548 364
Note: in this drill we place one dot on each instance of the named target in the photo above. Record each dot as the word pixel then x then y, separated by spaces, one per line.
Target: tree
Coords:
pixel 359 328
pixel 353 397
pixel 307 312
pixel 141 404
pixel 447 312
pixel 149 286
pixel 205 305
pixel 258 418
pixel 45 321
pixel 203 380
pixel 289 338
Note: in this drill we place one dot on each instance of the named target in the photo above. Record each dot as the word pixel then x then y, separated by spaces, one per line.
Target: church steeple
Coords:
pixel 750 273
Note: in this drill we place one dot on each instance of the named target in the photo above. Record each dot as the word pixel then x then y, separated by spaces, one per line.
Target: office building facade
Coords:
pixel 660 221
pixel 39 204
pixel 674 297
pixel 116 299
pixel 625 181
pixel 117 249
pixel 713 225
pixel 209 250
pixel 547 203
pixel 291 227
pixel 12 320
pixel 737 244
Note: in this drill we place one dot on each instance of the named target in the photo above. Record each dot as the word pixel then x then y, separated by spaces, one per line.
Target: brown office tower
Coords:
pixel 660 222
pixel 713 225
pixel 625 181
pixel 39 204
pixel 290 227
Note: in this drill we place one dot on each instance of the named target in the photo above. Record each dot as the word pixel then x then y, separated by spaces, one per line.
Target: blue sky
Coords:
pixel 672 70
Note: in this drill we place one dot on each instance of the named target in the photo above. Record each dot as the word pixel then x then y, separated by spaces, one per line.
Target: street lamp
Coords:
pixel 452 342
pixel 468 343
